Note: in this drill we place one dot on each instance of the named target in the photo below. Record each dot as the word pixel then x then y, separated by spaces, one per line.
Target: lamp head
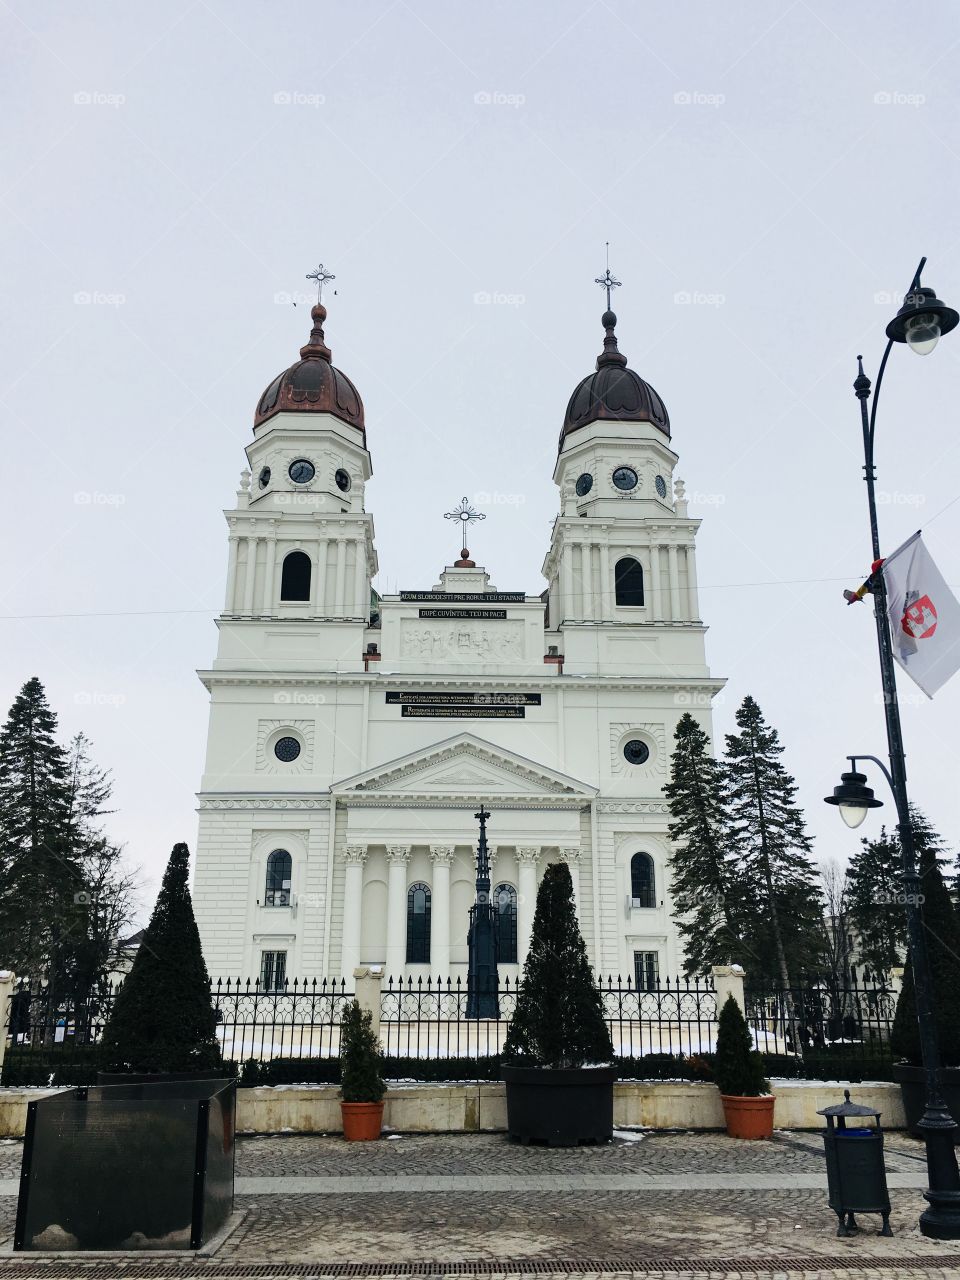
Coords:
pixel 853 798
pixel 922 320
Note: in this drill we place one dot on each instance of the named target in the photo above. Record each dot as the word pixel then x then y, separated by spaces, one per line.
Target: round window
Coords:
pixel 661 486
pixel 343 479
pixel 625 478
pixel 636 752
pixel 584 484
pixel 264 477
pixel 286 749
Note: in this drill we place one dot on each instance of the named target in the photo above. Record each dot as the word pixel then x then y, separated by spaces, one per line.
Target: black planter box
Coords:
pixel 128 1166
pixel 559 1106
pixel 913 1090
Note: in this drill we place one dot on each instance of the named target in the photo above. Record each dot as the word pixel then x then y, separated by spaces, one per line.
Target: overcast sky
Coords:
pixel 768 176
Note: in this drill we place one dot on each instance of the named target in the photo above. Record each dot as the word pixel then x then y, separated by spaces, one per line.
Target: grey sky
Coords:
pixel 781 166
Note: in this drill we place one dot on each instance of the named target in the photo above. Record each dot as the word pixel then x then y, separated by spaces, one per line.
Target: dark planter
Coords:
pixel 561 1107
pixel 910 1080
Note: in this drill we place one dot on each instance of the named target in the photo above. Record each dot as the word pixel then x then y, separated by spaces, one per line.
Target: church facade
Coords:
pixel 353 737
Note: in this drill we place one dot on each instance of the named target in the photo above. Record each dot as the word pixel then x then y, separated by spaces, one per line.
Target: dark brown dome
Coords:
pixel 614 393
pixel 313 385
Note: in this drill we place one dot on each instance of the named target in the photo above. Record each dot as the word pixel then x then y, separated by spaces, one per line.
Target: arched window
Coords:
pixel 642 886
pixel 628 581
pixel 279 872
pixel 505 905
pixel 418 924
pixel 295 581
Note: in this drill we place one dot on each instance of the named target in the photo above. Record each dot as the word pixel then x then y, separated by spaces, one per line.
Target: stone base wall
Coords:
pixel 482 1108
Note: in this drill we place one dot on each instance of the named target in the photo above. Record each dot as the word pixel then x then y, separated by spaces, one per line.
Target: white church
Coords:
pixel 354 736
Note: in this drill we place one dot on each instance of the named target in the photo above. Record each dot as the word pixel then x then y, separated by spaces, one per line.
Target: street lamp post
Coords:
pixel 482 981
pixel 919 323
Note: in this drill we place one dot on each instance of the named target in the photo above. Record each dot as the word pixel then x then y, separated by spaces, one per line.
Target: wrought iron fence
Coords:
pixel 300 1019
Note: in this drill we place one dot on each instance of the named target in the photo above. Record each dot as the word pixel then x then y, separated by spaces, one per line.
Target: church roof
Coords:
pixel 614 392
pixel 313 384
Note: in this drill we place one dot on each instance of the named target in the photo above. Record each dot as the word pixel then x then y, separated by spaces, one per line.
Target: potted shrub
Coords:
pixel 361 1085
pixel 738 1072
pixel 942 927
pixel 558 1057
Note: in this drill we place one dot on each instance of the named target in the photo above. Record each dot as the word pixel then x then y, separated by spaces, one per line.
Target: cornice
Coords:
pixel 377 679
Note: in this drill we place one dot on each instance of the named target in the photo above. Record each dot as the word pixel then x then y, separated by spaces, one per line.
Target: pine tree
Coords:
pixel 558 1020
pixel 702 869
pixel 737 1066
pixel 163 1018
pixel 361 1059
pixel 38 875
pixel 876 905
pixel 781 901
pixel 941 926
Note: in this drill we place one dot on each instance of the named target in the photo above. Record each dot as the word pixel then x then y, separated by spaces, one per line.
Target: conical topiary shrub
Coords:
pixel 558 1021
pixel 941 926
pixel 163 1018
pixel 738 1067
pixel 361 1058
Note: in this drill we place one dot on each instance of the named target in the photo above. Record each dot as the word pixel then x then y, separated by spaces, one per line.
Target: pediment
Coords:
pixel 462 765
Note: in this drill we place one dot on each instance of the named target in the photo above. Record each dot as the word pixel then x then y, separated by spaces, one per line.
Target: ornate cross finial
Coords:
pixel 607 281
pixel 321 278
pixel 464 514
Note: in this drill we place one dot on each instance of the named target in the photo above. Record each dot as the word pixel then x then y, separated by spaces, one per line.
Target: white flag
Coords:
pixel 924 616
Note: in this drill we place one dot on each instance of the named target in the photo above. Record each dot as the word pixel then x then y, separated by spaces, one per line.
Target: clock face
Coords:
pixel 625 478
pixel 661 486
pixel 343 479
pixel 636 752
pixel 302 471
pixel 584 484
pixel 264 478
pixel 287 750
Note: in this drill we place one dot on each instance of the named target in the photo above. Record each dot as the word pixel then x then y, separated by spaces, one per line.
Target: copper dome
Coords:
pixel 614 392
pixel 313 385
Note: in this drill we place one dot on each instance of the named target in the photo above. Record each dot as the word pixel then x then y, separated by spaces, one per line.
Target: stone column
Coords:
pixel 728 981
pixel 367 983
pixel 360 594
pixel 8 981
pixel 676 613
pixel 566 585
pixel 586 560
pixel 571 856
pixel 398 855
pixel 655 592
pixel 353 856
pixel 229 604
pixel 269 573
pixel 606 583
pixel 341 577
pixel 526 897
pixel 693 604
pixel 441 856
pixel 250 576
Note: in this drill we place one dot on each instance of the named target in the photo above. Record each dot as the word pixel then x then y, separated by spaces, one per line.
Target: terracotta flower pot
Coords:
pixel 748 1117
pixel 362 1121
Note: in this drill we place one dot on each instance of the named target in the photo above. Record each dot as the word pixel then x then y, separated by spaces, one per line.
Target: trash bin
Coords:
pixel 856 1177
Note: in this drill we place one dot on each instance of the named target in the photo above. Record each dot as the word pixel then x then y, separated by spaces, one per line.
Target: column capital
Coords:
pixel 441 854
pixel 398 855
pixel 571 854
pixel 528 853
pixel 354 854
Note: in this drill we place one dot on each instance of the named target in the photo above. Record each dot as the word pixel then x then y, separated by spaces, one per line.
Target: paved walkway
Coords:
pixel 681 1204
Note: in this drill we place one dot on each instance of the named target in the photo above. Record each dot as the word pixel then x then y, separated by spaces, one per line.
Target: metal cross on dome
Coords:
pixel 465 514
pixel 321 278
pixel 608 281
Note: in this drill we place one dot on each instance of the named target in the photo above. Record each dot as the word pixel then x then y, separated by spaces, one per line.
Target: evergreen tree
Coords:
pixel 558 1020
pixel 38 874
pixel 702 868
pixel 781 902
pixel 941 926
pixel 737 1066
pixel 163 1018
pixel 876 902
pixel 361 1059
